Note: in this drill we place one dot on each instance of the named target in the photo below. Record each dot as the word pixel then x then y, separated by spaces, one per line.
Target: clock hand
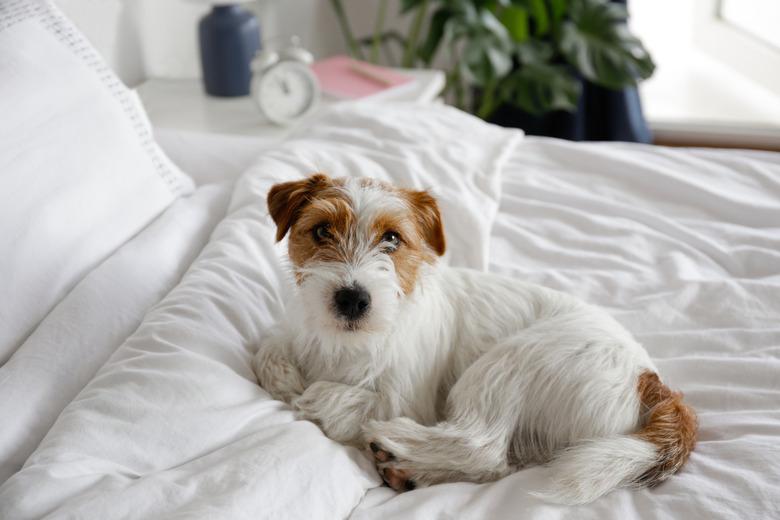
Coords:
pixel 285 86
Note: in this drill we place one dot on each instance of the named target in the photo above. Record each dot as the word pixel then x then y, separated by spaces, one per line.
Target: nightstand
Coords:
pixel 183 105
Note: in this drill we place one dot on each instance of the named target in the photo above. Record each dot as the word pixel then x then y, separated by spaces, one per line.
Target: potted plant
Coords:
pixel 535 55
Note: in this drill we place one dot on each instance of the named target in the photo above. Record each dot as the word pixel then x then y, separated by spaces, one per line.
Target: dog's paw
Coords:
pixel 386 442
pixel 310 402
pixel 323 404
pixel 391 470
pixel 277 376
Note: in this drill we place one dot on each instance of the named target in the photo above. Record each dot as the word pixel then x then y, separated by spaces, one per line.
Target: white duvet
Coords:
pixel 682 246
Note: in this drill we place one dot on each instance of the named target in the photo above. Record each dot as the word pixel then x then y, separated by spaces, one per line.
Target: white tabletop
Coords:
pixel 183 105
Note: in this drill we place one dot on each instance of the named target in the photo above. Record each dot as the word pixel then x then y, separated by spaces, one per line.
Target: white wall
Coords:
pixel 112 27
pixel 158 38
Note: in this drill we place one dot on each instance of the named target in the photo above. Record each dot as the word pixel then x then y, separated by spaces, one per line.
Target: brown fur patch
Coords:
pixel 426 213
pixel 669 424
pixel 413 251
pixel 328 206
pixel 287 199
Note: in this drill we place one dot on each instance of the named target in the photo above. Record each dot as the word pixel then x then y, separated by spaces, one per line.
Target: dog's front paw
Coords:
pixel 311 402
pixel 278 376
pixel 335 409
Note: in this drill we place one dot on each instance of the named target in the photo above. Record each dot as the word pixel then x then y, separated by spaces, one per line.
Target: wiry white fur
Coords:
pixel 469 377
pixel 586 471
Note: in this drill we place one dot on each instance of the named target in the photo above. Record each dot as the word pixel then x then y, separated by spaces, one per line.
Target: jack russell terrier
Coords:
pixel 451 374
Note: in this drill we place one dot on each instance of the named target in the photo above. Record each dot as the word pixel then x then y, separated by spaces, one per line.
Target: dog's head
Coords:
pixel 357 247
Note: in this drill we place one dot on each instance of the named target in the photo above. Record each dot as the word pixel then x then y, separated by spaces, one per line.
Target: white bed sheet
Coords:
pixel 683 246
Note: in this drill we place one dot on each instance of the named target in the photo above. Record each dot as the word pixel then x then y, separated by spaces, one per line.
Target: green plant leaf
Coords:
pixel 409 5
pixel 558 9
pixel 542 87
pixel 482 60
pixel 500 62
pixel 515 19
pixel 439 20
pixel 477 69
pixel 489 22
pixel 534 52
pixel 541 19
pixel 469 12
pixel 596 40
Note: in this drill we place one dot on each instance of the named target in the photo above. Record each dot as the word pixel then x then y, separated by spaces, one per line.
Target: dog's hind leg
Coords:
pixel 520 402
pixel 409 454
pixel 472 444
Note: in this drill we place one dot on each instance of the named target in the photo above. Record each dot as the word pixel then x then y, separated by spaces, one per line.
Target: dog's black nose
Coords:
pixel 352 302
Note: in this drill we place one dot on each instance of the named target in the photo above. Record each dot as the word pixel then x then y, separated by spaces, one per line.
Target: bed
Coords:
pixel 133 397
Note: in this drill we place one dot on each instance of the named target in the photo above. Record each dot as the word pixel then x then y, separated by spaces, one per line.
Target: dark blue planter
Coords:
pixel 229 38
pixel 602 115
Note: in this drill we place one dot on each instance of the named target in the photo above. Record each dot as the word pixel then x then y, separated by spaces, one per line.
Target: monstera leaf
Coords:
pixel 596 40
pixel 530 53
pixel 484 60
pixel 534 52
pixel 515 19
pixel 541 87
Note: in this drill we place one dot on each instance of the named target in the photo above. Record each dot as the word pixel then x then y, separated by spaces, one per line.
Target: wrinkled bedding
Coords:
pixel 88 325
pixel 174 424
pixel 681 246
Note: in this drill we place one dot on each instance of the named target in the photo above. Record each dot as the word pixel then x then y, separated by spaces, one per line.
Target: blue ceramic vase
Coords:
pixel 229 38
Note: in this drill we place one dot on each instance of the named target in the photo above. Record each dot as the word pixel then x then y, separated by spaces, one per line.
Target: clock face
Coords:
pixel 286 91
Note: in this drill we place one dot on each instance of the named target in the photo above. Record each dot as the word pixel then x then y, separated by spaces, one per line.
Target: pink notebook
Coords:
pixel 345 78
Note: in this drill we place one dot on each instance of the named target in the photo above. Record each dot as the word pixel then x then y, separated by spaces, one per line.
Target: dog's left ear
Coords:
pixel 426 211
pixel 286 200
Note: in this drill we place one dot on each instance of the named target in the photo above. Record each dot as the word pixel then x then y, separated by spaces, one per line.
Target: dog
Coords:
pixel 446 374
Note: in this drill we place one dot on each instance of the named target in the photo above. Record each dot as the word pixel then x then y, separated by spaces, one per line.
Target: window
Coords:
pixel 757 18
pixel 718 75
pixel 742 34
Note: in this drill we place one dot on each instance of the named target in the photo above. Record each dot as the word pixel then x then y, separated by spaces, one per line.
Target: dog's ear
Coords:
pixel 286 200
pixel 426 212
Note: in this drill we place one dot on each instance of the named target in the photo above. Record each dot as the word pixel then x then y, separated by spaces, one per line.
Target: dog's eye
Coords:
pixel 391 240
pixel 321 233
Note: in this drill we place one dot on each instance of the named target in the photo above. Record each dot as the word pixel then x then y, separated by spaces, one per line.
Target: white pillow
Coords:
pixel 79 170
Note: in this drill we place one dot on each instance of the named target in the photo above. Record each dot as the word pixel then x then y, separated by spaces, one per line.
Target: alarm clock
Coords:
pixel 283 85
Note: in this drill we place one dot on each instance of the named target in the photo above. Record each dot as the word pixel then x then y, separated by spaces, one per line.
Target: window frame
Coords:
pixel 731 45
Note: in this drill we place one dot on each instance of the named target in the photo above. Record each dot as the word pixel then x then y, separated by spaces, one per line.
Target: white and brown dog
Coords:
pixel 450 374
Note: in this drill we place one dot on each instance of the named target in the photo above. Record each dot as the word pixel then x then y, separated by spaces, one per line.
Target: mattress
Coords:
pixel 682 246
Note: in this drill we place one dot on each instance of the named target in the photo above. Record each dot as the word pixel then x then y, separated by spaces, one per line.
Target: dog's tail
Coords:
pixel 586 471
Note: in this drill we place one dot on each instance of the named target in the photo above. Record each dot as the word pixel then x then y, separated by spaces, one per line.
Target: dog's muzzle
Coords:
pixel 352 303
